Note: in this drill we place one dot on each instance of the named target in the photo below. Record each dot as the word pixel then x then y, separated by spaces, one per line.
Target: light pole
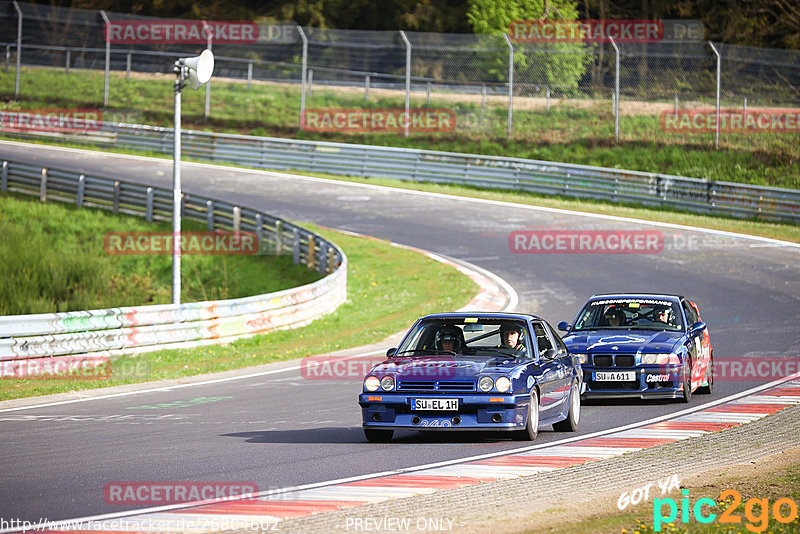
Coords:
pixel 197 70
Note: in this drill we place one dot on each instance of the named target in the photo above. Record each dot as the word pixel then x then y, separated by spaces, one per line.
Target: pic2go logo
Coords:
pixel 756 511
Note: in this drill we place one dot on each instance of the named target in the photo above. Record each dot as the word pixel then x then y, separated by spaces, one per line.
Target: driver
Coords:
pixel 510 334
pixel 448 340
pixel 614 317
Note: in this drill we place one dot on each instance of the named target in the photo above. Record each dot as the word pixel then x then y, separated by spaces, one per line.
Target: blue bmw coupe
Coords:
pixel 641 345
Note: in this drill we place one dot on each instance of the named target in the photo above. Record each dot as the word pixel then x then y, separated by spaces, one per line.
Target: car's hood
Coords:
pixel 622 341
pixel 445 367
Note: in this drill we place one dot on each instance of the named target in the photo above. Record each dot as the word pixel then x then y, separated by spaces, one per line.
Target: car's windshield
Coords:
pixel 491 337
pixel 623 313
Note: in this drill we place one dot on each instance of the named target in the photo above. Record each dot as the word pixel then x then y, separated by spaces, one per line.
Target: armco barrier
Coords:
pixel 132 329
pixel 540 177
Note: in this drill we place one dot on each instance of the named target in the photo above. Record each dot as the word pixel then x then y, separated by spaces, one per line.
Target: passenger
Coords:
pixel 664 316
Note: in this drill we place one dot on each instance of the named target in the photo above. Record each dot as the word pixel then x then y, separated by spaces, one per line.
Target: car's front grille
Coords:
pixel 624 360
pixel 614 360
pixel 436 385
pixel 603 360
pixel 456 386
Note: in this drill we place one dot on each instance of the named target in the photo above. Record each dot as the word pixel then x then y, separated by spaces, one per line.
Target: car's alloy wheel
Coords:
pixel 570 424
pixel 532 423
pixel 378 436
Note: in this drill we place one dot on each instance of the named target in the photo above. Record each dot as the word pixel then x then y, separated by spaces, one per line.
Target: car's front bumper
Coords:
pixel 475 412
pixel 651 382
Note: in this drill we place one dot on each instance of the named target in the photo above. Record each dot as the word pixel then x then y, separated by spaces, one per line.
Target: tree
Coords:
pixel 558 65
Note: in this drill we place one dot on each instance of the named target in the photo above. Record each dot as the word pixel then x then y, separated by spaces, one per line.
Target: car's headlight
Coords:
pixel 387 383
pixel 371 383
pixel 502 384
pixel 661 359
pixel 485 383
pixel 583 359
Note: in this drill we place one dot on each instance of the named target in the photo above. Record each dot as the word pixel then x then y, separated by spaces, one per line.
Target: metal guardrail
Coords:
pixel 132 329
pixel 516 174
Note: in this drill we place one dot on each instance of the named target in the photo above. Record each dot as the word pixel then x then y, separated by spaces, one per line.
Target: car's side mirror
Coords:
pixel 564 326
pixel 696 328
pixel 391 352
pixel 550 354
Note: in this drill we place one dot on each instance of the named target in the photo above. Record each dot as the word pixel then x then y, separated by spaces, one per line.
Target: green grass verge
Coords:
pixel 388 288
pixel 54 261
pixel 567 133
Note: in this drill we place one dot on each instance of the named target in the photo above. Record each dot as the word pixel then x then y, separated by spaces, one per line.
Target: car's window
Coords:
pixel 543 342
pixel 630 313
pixel 472 336
pixel 691 316
pixel 560 346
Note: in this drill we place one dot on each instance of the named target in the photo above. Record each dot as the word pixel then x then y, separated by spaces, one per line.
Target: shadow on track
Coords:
pixel 356 435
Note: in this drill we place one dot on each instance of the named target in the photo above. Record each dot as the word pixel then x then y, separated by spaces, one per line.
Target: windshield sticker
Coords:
pixel 633 303
pixel 471 320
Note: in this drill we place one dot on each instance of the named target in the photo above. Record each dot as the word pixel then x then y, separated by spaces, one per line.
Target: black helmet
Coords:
pixel 449 333
pixel 614 313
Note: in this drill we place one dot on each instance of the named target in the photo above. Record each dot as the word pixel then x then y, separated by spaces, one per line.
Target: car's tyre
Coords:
pixel 570 424
pixel 687 381
pixel 378 436
pixel 709 389
pixel 532 423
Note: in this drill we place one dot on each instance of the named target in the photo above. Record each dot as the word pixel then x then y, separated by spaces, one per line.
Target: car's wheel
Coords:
pixel 570 424
pixel 378 436
pixel 532 423
pixel 709 389
pixel 687 380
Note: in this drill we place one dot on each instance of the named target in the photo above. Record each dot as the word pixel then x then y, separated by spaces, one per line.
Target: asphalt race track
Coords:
pixel 280 430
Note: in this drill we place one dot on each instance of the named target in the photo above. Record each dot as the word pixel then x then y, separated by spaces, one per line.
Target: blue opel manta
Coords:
pixel 504 372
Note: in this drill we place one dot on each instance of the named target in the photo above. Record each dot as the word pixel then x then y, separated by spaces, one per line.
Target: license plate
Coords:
pixel 434 404
pixel 614 376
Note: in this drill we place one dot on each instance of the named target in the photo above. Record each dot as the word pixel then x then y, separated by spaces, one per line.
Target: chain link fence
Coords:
pixel 492 86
